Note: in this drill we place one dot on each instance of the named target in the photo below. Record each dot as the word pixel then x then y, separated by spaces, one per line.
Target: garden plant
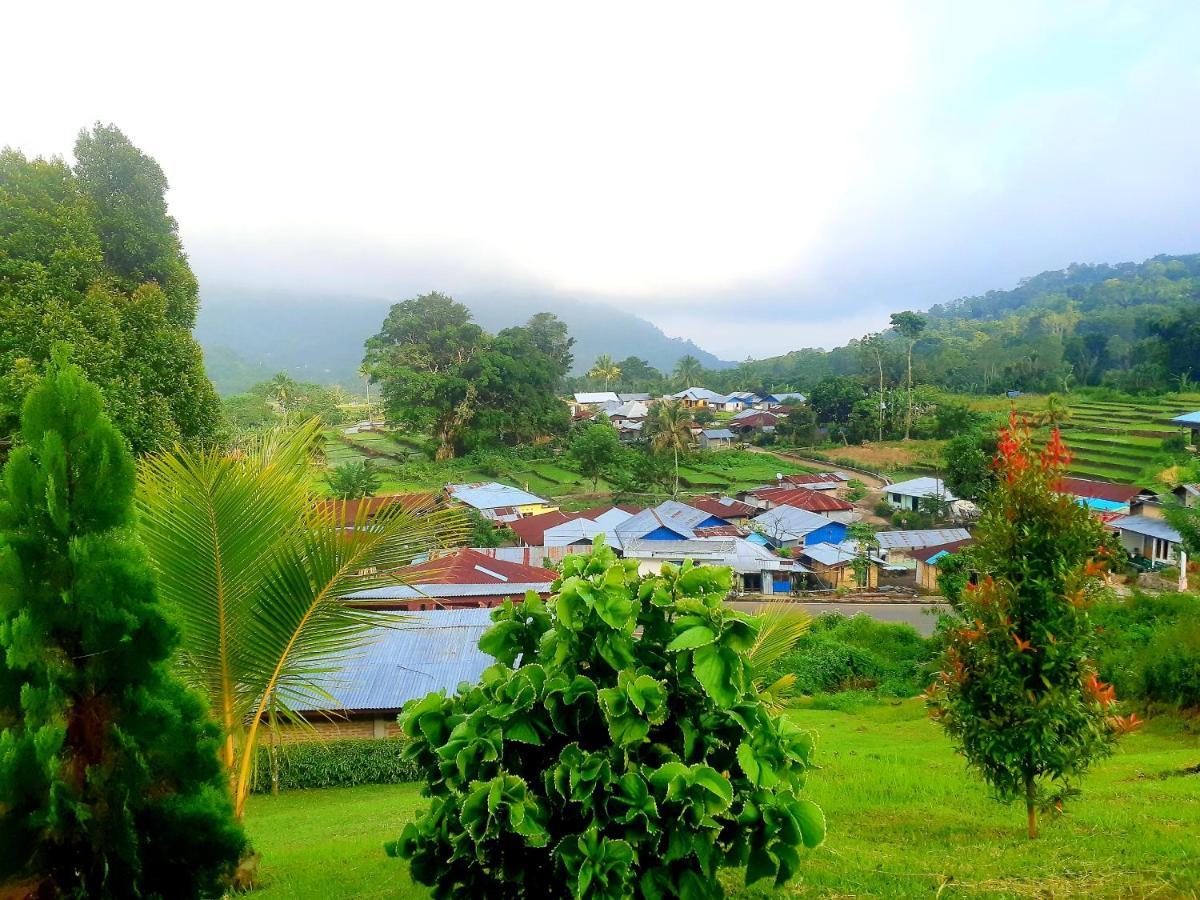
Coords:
pixel 619 748
pixel 110 784
pixel 1018 690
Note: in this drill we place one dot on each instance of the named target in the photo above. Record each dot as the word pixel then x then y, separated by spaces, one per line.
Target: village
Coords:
pixel 823 538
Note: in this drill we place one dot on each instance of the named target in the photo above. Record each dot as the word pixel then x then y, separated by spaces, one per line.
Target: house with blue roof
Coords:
pixel 669 521
pixel 790 526
pixel 1190 421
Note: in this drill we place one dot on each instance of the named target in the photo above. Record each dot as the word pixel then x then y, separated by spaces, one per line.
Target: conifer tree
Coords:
pixel 110 785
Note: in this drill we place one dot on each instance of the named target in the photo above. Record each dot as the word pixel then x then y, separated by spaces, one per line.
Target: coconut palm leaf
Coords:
pixel 780 626
pixel 258 573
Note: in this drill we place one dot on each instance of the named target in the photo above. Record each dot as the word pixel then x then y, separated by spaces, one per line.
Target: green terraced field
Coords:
pixel 1121 441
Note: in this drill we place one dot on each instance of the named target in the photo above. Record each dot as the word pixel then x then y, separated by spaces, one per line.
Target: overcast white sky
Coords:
pixel 824 164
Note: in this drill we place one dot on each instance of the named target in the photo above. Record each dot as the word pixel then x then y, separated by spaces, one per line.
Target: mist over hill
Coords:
pixel 248 334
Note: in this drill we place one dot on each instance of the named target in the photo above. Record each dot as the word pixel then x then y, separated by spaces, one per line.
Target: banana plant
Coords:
pixel 257 572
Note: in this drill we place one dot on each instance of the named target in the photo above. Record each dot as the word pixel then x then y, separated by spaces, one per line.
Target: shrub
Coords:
pixel 1150 648
pixel 858 653
pixel 1017 690
pixel 627 753
pixel 322 764
pixel 856 490
pixel 883 509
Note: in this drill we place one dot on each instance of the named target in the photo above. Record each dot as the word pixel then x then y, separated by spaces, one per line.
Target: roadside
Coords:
pixel 920 615
pixel 870 479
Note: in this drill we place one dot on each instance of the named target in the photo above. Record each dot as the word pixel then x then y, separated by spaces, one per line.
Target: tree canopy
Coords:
pixel 109 779
pixel 89 256
pixel 441 372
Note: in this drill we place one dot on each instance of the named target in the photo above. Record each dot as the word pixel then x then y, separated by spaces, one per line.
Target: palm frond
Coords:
pixel 781 625
pixel 257 573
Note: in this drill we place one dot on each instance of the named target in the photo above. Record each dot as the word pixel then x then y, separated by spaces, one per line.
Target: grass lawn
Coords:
pixel 905 820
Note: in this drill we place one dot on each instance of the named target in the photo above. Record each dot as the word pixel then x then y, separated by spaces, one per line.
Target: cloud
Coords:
pixel 692 162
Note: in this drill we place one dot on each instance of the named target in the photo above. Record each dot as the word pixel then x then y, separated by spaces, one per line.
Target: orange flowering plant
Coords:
pixel 1017 690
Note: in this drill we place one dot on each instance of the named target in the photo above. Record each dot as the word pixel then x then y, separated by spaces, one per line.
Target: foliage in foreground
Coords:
pixel 257 573
pixel 1018 690
pixel 610 763
pixel 109 780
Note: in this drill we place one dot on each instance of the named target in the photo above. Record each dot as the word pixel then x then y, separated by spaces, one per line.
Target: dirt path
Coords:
pixel 870 479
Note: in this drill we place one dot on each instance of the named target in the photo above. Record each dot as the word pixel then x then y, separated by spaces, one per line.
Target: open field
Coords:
pixel 403 467
pixel 1112 440
pixel 905 820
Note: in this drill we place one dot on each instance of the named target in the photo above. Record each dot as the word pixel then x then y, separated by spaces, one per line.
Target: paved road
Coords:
pixel 872 481
pixel 915 614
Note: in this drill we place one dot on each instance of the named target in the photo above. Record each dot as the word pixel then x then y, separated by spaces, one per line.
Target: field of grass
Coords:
pixel 905 820
pixel 403 467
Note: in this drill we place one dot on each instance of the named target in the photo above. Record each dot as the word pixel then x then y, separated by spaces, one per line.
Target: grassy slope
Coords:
pixel 905 821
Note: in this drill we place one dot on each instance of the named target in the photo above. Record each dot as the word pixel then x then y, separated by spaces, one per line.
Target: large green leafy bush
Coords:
pixel 618 749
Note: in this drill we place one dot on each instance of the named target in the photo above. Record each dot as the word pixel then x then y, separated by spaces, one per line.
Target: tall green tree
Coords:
pixel 595 448
pixel 909 325
pixel 109 780
pixel 688 370
pixel 90 257
pixel 441 372
pixel 669 429
pixel 1018 691
pixel 604 369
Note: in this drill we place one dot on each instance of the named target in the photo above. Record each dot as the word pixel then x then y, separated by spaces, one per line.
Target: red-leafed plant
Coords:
pixel 1017 690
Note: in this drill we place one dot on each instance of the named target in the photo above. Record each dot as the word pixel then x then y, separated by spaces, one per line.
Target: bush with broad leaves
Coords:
pixel 618 748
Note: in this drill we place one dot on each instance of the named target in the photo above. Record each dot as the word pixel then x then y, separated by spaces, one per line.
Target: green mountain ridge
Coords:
pixel 250 334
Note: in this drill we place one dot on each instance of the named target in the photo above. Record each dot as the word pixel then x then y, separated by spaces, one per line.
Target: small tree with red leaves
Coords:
pixel 1018 691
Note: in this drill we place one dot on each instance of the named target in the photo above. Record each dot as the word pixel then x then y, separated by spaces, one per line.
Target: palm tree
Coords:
pixel 256 573
pixel 1056 414
pixel 688 370
pixel 668 427
pixel 780 627
pixel 605 368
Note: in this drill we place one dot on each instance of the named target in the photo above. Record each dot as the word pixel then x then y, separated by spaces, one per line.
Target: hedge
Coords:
pixel 321 764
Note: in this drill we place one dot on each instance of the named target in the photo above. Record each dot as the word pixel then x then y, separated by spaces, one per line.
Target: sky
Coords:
pixel 703 165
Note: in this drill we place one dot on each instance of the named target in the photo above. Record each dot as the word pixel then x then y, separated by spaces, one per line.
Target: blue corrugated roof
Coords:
pixel 424 651
pixel 1188 419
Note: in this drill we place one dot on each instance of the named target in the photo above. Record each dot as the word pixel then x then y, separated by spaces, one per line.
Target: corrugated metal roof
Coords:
pixel 492 495
pixel 921 487
pixel 717 433
pixel 790 522
pixel 417 653
pixel 914 540
pixel 515 590
pixel 1188 419
pixel 597 397
pixel 699 393
pixel 1147 526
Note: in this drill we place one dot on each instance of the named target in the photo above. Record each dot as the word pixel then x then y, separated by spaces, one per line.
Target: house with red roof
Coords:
pixel 809 500
pixel 732 511
pixel 1103 496
pixel 460 578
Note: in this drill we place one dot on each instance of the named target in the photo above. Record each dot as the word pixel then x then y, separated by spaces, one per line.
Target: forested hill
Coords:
pixel 250 334
pixel 1133 326
pixel 1163 279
